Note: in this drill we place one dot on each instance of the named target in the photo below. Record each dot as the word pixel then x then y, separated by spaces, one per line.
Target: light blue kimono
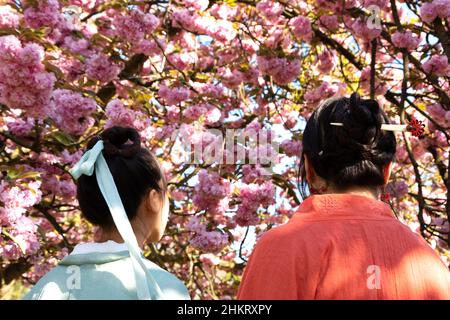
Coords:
pixel 102 275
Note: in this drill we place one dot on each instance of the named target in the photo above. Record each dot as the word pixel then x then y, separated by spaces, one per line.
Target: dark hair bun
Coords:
pixel 122 141
pixel 352 155
pixel 363 119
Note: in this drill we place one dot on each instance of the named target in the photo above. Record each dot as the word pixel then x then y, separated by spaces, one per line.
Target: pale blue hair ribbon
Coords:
pixel 93 158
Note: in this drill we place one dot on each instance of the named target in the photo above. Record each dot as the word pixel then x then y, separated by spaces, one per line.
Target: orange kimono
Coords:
pixel 344 246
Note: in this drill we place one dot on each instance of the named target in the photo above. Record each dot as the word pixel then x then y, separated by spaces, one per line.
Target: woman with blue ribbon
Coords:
pixel 122 190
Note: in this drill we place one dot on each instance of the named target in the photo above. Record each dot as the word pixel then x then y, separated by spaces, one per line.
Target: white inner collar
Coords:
pixel 106 247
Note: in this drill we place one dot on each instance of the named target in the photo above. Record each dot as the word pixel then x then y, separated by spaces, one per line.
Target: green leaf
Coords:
pixel 13 173
pixel 63 138
pixel 21 244
pixel 52 68
pixel 19 173
pixel 28 174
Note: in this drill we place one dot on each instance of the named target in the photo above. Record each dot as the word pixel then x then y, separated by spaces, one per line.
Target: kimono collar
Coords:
pixel 91 247
pixel 345 203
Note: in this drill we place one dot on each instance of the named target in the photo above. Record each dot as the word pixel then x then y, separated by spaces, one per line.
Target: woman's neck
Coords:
pixel 111 233
pixel 374 194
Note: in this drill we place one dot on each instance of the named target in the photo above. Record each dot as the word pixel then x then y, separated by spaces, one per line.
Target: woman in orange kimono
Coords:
pixel 344 243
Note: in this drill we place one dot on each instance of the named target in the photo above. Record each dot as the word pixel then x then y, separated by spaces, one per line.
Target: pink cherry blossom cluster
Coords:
pixel 288 118
pixel 397 189
pixel 334 5
pixel 118 114
pixel 77 45
pixel 210 241
pixel 292 148
pixel 439 115
pixel 71 111
pixel 133 25
pixel 24 83
pixel 183 60
pixel 173 95
pixel 72 68
pixel 324 90
pixel 326 61
pixel 254 174
pixel 219 29
pixel 405 40
pixel 20 126
pixel 362 30
pixel 437 8
pixel 86 4
pixel 100 67
pixel 442 224
pixel 251 197
pixel 63 187
pixel 230 78
pixel 283 70
pixel 270 9
pixel 223 11
pixel 379 3
pixel 25 241
pixel 222 30
pixel 150 47
pixel 209 259
pixel 263 153
pixel 210 113
pixel 301 28
pixel 70 158
pixel 437 64
pixel 212 116
pixel 211 192
pixel 16 198
pixel 196 4
pixel 43 264
pixel 191 134
pixel 329 22
pixel 208 89
pixel 196 111
pixel 8 17
pixel 54 180
pixel 46 13
pixel 204 240
pixel 277 37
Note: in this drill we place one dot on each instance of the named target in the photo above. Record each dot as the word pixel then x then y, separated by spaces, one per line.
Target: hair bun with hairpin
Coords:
pixel 362 119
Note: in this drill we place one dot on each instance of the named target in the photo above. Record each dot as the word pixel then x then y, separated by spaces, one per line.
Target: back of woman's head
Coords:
pixel 135 172
pixel 352 155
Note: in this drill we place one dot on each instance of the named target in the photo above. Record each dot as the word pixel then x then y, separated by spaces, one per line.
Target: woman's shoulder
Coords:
pixel 50 286
pixel 160 272
pixel 294 228
pixel 103 264
pixel 170 284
